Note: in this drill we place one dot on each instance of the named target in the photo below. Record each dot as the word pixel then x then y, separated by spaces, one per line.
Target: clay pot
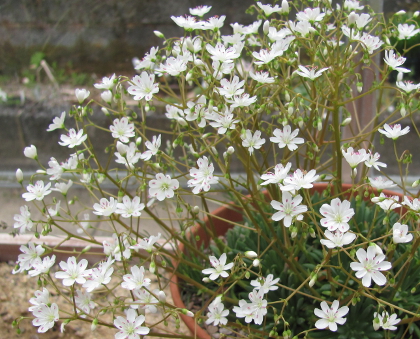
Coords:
pixel 228 212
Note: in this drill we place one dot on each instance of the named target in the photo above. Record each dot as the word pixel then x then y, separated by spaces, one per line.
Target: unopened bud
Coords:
pixel 247 274
pixel 415 183
pixel 105 111
pixel 312 232
pixel 360 87
pixel 159 34
pixel 230 150
pixel 181 122
pixel 416 14
pixel 400 12
pixel 319 124
pixel 403 111
pixel 86 249
pixel 189 44
pixel 206 280
pixel 161 296
pixel 94 325
pixel 376 324
pixel 313 280
pixel 251 254
pixel 351 18
pixel 400 76
pixel 287 96
pixel 284 7
pixel 187 313
pixel 266 26
pixel 107 96
pixel 152 267
pixel 256 263
pixel 346 121
pixel 19 175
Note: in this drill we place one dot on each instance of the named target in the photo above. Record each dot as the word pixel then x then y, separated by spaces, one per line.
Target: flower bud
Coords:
pixel 415 14
pixel 81 94
pixel 161 296
pixel 360 87
pixel 152 267
pixel 312 232
pixel 122 148
pixel 319 124
pixel 159 34
pixel 40 172
pixel 403 111
pixel 256 263
pixel 400 12
pixel 400 76
pixel 189 44
pixel 30 152
pixel 187 313
pixel 287 96
pixel 346 121
pixel 376 324
pixel 247 274
pixel 105 111
pixel 19 175
pixel 94 325
pixel 251 254
pixel 107 96
pixel 351 18
pixel 266 26
pixel 230 150
pixel 138 141
pixel 415 183
pixel 206 280
pixel 284 7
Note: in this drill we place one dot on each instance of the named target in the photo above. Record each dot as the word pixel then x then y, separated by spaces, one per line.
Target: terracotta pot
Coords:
pixel 228 212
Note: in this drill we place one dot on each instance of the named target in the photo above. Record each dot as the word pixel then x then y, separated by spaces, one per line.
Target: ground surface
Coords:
pixel 15 292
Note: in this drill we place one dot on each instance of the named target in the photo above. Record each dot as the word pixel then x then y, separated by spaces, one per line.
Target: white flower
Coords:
pixel 107 83
pixel 174 66
pixel 330 316
pixel 252 141
pixel 153 148
pixel 381 183
pixel 265 284
pixel 253 311
pixel 147 244
pixel 113 248
pixel 130 208
pixel 127 155
pixel 200 10
pixel 299 180
pixel 264 56
pixel 105 207
pixel 370 42
pixel 275 35
pixel 289 209
pixel 310 14
pixel 23 220
pixel 278 176
pixel 231 88
pixel 394 131
pixel 107 96
pixel 386 321
pixel 262 77
pixel 387 203
pixel 37 191
pixel 54 211
pixel 221 53
pixel 62 187
pixel 29 254
pixel 215 22
pixel 223 121
pixel 310 72
pixel 372 161
pixel 337 239
pixel 355 157
pixel 145 300
pixel 55 170
pixel 352 5
pixel 58 122
pixel 413 204
pixel 122 130
pixel 301 27
pixel 45 317
pixel 148 62
pixel 400 234
pixel 407 86
pixel 41 297
pixel 188 22
pixel 286 138
pixel 162 187
pixel 394 61
pixel 268 9
pixel 84 301
pixel 370 266
pixel 100 275
pixel 130 327
pixel 406 31
pixel 202 177
pixel 72 139
pixel 72 271
pixel 143 86
pixel 219 267
pixel 30 152
pixel 361 20
pixel 337 215
pixel 81 94
pixel 217 313
pixel 42 265
pixel 136 279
